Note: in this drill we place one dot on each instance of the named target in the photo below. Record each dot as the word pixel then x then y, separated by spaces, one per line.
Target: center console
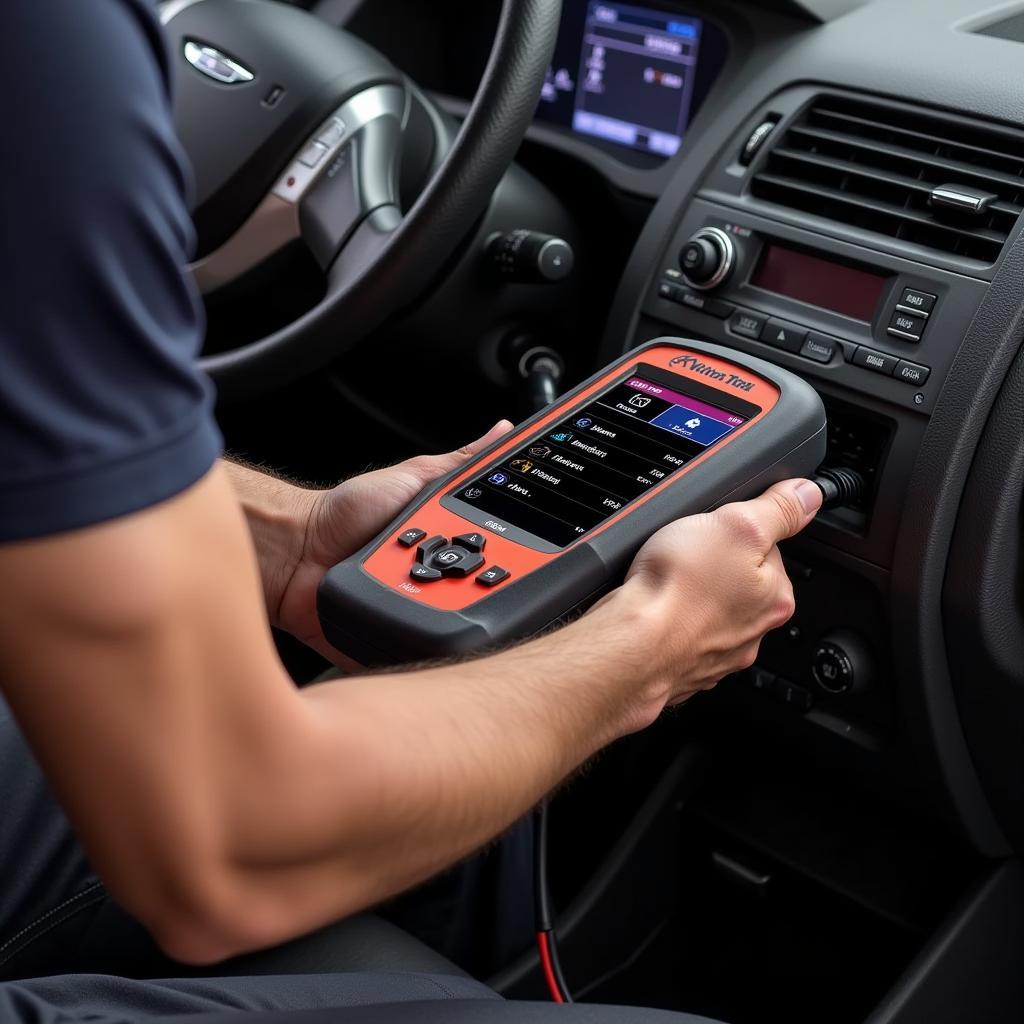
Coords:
pixel 848 240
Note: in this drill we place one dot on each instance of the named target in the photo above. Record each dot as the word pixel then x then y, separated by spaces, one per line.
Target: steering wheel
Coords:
pixel 295 129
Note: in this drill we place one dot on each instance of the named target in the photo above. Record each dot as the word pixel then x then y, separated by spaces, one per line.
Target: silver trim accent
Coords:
pixel 960 198
pixel 275 222
pixel 902 334
pixel 726 248
pixel 209 61
pixel 913 311
pixel 172 8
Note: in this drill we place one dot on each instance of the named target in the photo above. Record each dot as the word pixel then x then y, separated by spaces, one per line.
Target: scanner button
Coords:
pixel 430 545
pixel 448 557
pixel 470 541
pixel 456 562
pixel 409 537
pixel 493 576
pixel 424 573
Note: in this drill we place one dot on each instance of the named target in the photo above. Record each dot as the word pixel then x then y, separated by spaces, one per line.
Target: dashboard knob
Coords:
pixel 708 258
pixel 842 663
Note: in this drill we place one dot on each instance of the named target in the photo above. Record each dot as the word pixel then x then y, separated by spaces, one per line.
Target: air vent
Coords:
pixel 876 166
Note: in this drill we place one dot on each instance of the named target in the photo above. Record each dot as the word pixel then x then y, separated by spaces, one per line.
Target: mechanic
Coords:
pixel 221 807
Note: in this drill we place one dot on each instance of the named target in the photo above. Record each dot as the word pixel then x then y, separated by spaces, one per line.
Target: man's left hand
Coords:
pixel 341 520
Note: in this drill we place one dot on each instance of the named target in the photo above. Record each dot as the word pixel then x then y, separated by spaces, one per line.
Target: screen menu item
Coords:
pixel 569 479
pixel 629 79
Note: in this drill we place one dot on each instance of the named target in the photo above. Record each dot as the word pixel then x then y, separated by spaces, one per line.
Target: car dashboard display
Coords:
pixel 630 76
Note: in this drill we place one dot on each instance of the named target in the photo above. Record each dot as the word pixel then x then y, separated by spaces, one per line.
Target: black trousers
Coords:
pixel 68 950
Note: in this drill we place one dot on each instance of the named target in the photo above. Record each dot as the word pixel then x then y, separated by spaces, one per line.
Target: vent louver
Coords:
pixel 875 166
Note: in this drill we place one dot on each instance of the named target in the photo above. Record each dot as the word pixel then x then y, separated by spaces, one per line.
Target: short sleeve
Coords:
pixel 103 410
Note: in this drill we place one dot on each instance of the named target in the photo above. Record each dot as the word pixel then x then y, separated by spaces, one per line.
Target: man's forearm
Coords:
pixel 277 513
pixel 403 774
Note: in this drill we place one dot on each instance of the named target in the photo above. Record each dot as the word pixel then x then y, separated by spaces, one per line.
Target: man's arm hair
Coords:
pixel 225 808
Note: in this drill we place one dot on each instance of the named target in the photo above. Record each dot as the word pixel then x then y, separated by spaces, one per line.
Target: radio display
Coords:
pixel 570 478
pixel 797 275
pixel 624 74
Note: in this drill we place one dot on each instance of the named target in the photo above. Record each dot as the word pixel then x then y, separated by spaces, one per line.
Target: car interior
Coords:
pixel 415 219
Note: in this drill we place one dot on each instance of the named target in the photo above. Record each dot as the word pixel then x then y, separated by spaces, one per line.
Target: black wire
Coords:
pixel 542 913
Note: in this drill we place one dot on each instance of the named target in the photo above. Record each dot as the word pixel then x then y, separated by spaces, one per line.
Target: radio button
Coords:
pixel 919 302
pixel 908 326
pixel 788 337
pixel 747 325
pixel 703 303
pixel 912 373
pixel 877 361
pixel 819 348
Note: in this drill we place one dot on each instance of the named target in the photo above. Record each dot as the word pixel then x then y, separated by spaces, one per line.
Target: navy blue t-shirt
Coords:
pixel 102 409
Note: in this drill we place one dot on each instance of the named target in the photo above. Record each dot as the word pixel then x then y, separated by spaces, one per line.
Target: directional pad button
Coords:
pixel 429 546
pixel 424 573
pixel 455 561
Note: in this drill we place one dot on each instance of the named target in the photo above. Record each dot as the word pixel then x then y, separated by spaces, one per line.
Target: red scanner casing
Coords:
pixel 373 611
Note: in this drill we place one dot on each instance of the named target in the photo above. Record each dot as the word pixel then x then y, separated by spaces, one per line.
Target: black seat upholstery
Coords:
pixel 464 1011
pixel 361 943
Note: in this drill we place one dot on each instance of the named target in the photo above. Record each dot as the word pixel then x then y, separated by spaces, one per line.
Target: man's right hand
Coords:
pixel 710 587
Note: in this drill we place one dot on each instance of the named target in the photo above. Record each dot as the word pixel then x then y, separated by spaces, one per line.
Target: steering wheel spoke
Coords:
pixel 359 177
pixel 344 171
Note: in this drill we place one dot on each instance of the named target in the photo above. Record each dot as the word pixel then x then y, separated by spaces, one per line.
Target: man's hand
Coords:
pixel 709 587
pixel 301 533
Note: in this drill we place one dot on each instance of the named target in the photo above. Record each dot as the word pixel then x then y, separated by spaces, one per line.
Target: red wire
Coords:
pixel 548 969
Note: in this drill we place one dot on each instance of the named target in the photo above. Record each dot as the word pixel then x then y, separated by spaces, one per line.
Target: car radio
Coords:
pixel 549 517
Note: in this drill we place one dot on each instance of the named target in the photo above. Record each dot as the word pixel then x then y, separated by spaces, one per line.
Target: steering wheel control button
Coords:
pixel 819 348
pixel 429 546
pixel 313 154
pixel 914 301
pixel 908 326
pixel 470 541
pixel 877 361
pixel 747 325
pixel 708 258
pixel 912 373
pixel 332 133
pixel 493 576
pixel 424 573
pixel 410 537
pixel 788 337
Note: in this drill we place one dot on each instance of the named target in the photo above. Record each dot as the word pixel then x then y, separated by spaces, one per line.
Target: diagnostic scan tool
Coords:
pixel 548 518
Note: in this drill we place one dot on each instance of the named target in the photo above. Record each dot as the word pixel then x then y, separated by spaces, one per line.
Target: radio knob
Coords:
pixel 842 663
pixel 708 258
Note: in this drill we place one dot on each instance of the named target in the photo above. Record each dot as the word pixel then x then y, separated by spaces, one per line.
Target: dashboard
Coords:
pixel 865 169
pixel 630 76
